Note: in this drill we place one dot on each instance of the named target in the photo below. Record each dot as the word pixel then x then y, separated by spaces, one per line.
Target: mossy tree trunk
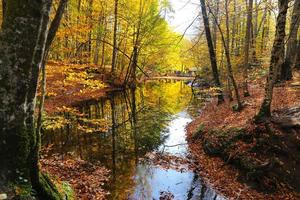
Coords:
pixel 22 44
pixel 276 61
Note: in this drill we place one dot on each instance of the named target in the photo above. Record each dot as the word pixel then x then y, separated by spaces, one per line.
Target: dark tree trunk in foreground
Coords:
pixel 22 45
pixel 291 53
pixel 276 61
pixel 212 53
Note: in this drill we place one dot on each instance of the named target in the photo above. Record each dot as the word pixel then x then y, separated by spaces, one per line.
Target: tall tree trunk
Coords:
pixel 211 50
pixel 233 40
pixel 227 54
pixel 268 24
pixel 98 39
pixel 50 37
pixel 249 28
pixel 255 31
pixel 134 65
pixel 90 21
pixel 23 41
pixel 78 54
pixel 276 61
pixel 215 28
pixel 115 51
pixel 136 47
pixel 286 71
pixel 103 44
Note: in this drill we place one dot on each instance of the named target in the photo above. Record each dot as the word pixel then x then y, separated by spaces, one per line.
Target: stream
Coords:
pixel 150 118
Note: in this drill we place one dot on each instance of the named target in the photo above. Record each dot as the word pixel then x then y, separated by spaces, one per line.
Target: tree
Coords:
pixel 226 43
pixel 115 50
pixel 275 63
pixel 50 37
pixel 247 47
pixel 291 52
pixel 22 47
pixel 212 52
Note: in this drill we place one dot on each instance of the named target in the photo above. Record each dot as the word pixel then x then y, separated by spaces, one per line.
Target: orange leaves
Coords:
pixel 66 116
pixel 214 170
pixel 69 83
pixel 87 179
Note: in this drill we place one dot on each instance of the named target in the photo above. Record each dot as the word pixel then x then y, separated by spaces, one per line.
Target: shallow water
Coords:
pixel 151 118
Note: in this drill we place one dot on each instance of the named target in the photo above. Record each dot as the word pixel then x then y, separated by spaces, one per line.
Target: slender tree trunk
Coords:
pixel 50 37
pixel 136 47
pixel 67 53
pixel 249 28
pixel 265 27
pixel 78 55
pixel 103 45
pixel 134 65
pixel 211 50
pixel 98 39
pixel 267 33
pixel 227 54
pixel 254 32
pixel 215 28
pixel 233 40
pixel 90 21
pixel 276 61
pixel 115 51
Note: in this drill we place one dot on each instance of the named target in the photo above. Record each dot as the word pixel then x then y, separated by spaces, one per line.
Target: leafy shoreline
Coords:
pixel 223 167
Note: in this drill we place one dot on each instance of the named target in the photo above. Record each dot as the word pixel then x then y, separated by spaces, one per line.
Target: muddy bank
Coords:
pixel 248 161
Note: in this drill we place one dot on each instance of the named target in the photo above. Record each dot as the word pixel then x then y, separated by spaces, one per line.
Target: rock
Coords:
pixel 287 118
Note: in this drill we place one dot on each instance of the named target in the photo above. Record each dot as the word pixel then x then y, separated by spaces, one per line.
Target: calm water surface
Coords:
pixel 149 118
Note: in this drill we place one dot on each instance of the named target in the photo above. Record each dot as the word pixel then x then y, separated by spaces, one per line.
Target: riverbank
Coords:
pixel 86 179
pixel 68 84
pixel 242 160
pixel 123 145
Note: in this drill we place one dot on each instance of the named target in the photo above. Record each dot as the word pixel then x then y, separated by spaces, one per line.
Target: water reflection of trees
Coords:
pixel 138 121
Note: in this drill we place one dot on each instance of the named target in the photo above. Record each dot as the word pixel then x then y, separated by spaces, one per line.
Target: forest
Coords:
pixel 149 99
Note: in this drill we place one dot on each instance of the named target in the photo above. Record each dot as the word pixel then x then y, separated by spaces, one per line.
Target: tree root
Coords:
pixel 46 189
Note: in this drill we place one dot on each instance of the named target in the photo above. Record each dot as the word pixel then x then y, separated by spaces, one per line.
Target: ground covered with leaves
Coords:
pixel 243 160
pixel 86 179
pixel 68 84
